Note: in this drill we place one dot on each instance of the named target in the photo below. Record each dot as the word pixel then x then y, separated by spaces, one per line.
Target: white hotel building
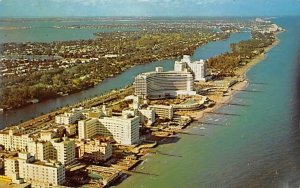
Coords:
pixel 123 129
pixel 198 68
pixel 69 117
pixel 160 84
pixel 12 140
pixel 62 151
pixel 38 173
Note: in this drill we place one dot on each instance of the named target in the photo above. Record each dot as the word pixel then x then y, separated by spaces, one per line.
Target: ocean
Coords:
pixel 256 145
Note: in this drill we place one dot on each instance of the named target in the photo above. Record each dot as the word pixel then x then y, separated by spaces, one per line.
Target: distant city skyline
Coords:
pixel 64 8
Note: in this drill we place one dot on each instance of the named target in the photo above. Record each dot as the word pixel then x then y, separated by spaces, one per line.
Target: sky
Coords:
pixel 58 8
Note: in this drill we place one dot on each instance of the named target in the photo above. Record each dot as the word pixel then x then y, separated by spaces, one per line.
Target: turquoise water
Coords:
pixel 120 81
pixel 258 145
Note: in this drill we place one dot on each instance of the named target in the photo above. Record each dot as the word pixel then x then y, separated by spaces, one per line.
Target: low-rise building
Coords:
pixel 163 111
pixel 71 130
pixel 147 116
pixel 69 117
pixel 94 149
pixel 98 112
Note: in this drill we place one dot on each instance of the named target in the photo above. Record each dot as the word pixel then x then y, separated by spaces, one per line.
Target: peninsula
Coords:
pixel 98 142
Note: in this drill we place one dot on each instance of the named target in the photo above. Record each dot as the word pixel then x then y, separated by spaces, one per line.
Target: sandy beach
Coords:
pixel 241 73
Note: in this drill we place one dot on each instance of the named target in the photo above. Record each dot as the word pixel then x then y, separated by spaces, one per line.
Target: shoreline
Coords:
pixel 198 116
pixel 243 82
pixel 240 85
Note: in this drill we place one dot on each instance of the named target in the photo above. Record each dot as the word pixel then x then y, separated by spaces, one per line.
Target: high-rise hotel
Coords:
pixel 197 68
pixel 160 84
pixel 123 129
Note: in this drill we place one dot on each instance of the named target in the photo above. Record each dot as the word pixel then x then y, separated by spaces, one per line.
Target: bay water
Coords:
pixel 117 82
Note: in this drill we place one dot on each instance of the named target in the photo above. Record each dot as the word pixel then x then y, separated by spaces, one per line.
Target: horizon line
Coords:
pixel 167 16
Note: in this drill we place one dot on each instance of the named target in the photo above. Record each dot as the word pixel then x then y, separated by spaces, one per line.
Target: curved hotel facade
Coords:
pixel 159 84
